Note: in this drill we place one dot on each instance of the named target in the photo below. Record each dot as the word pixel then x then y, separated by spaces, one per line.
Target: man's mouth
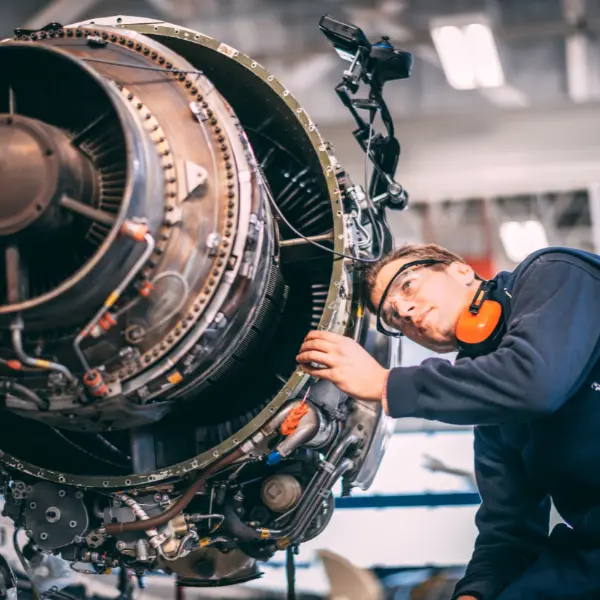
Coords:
pixel 421 320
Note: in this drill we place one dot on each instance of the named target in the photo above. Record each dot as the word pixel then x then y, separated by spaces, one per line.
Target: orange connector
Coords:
pixel 95 383
pixel 292 421
pixel 136 231
pixel 146 288
pixel 107 321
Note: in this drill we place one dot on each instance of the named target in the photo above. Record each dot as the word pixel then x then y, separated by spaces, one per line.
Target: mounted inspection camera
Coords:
pixel 373 65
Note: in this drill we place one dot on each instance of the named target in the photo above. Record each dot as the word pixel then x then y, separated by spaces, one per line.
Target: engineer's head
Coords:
pixel 430 288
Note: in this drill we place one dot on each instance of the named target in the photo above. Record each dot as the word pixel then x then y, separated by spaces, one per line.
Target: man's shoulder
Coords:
pixel 559 259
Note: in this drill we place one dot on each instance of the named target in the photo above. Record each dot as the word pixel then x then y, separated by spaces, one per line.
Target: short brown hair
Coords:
pixel 414 251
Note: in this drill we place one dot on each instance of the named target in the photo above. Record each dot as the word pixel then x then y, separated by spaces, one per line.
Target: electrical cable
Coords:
pixel 142 67
pixel 371 210
pixel 376 225
pixel 75 445
pixel 19 553
pixel 183 299
pixel 112 447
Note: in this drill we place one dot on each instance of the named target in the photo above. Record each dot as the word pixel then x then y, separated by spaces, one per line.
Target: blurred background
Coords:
pixel 501 155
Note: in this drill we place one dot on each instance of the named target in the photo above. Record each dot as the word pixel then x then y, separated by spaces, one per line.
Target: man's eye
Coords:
pixel 406 286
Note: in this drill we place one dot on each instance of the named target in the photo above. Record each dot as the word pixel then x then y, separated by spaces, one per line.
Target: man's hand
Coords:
pixel 346 364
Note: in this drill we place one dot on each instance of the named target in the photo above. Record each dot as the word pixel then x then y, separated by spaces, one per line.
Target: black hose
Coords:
pixel 181 504
pixel 290 568
pixel 306 519
pixel 24 393
pixel 329 471
pixel 236 526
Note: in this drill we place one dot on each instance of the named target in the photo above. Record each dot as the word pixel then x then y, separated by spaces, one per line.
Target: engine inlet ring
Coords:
pixel 339 305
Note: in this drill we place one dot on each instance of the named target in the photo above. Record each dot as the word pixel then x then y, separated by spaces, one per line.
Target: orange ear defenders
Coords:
pixel 479 327
pixel 481 324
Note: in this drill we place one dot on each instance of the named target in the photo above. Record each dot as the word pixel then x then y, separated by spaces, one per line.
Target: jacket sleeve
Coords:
pixel 552 334
pixel 513 519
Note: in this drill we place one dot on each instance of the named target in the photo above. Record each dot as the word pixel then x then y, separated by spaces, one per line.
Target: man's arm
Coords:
pixel 552 334
pixel 513 519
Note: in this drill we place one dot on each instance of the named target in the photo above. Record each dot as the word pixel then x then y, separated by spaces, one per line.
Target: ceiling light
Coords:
pixel 521 238
pixel 469 55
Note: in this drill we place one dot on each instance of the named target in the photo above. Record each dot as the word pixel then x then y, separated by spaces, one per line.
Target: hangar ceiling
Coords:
pixel 548 48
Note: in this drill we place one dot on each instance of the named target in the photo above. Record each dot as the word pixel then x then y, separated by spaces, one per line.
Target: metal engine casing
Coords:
pixel 189 139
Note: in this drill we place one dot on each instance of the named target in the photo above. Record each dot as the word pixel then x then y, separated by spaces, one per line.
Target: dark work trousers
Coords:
pixel 567 570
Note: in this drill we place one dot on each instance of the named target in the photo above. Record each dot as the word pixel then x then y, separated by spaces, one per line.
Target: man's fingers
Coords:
pixel 318 373
pixel 319 345
pixel 315 356
pixel 318 334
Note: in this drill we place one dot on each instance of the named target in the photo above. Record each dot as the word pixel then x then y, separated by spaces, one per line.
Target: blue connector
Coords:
pixel 273 458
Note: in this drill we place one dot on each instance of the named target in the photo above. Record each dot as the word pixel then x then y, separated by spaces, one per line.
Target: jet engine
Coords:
pixel 172 225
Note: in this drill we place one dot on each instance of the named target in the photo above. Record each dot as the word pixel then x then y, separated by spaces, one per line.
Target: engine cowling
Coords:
pixel 155 296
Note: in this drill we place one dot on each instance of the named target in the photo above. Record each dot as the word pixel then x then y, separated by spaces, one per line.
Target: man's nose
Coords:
pixel 405 308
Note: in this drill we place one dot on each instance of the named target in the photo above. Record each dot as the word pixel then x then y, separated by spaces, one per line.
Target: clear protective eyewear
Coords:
pixel 381 326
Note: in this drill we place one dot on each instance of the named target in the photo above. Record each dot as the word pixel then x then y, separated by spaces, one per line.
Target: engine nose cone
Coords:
pixel 28 172
pixel 40 172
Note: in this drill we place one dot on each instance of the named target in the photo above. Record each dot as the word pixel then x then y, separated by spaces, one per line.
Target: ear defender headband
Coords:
pixel 478 327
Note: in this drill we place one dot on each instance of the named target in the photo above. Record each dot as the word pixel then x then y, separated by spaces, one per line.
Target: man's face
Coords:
pixel 425 304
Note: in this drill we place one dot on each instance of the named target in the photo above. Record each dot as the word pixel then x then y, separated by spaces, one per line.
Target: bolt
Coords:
pixel 126 352
pixel 120 545
pixel 79 495
pixel 32 505
pixel 62 493
pixel 73 524
pixel 56 379
pixel 43 536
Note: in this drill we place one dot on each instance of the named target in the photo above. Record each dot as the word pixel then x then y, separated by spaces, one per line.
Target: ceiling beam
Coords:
pixel 577 49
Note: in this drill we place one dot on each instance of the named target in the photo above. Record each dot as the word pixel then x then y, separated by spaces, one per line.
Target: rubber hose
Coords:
pixel 180 505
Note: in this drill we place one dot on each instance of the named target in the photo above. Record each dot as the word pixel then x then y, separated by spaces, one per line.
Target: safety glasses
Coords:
pixel 381 327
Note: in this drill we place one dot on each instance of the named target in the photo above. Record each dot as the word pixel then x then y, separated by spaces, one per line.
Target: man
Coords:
pixel 533 394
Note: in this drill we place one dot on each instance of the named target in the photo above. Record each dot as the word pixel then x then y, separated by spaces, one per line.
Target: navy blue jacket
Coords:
pixel 535 402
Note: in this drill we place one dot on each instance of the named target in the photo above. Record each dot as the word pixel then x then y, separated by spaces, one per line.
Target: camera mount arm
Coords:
pixel 373 65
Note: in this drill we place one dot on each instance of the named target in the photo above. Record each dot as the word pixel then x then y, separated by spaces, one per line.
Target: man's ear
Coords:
pixel 462 272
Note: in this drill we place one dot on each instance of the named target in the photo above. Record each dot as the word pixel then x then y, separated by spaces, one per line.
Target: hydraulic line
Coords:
pixel 24 393
pixel 17 343
pixel 139 233
pixel 181 504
